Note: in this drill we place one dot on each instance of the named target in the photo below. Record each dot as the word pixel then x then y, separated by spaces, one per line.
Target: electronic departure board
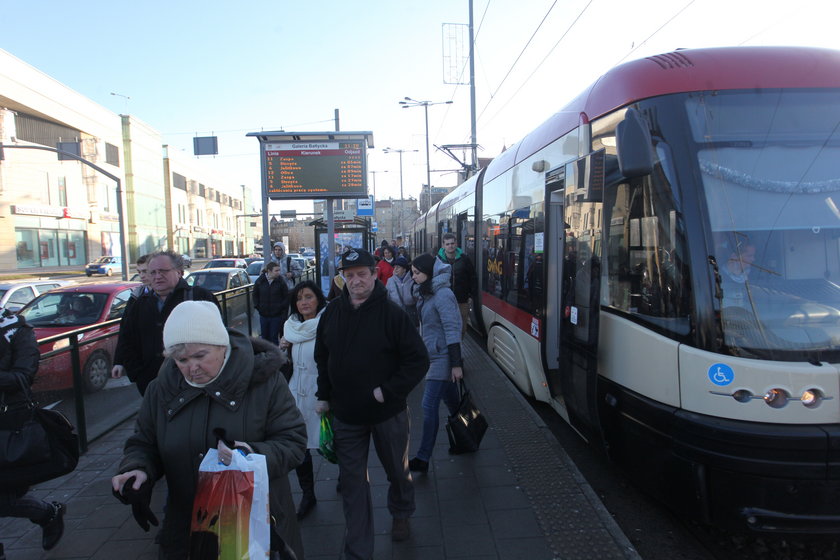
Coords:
pixel 316 169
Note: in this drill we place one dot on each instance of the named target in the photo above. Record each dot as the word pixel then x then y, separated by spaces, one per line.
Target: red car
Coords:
pixel 70 308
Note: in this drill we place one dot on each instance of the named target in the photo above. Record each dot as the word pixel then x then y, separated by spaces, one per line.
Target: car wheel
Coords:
pixel 97 371
pixel 89 274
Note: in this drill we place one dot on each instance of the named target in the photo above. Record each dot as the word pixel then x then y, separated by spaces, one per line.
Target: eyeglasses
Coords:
pixel 160 272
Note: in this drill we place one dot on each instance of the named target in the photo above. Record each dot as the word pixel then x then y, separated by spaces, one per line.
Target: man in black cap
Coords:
pixel 369 358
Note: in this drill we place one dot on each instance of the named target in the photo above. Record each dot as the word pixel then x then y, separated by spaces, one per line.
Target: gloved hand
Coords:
pixel 139 501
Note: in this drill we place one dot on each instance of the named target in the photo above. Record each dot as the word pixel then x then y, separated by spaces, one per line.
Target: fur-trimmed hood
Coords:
pixel 251 361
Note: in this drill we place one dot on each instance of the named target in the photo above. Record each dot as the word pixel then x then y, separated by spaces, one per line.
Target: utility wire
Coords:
pixel 492 95
pixel 531 75
pixel 661 27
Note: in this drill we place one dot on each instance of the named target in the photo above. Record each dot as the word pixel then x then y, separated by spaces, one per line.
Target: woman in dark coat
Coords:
pixel 440 323
pixel 271 300
pixel 19 358
pixel 213 378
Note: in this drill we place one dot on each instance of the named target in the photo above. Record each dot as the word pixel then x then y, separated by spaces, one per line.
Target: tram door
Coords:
pixel 554 252
pixel 580 292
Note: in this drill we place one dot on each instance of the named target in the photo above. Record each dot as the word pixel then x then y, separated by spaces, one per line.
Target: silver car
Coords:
pixel 14 295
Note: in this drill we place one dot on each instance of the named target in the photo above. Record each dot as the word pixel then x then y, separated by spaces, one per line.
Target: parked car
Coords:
pixel 14 295
pixel 254 270
pixel 69 308
pixel 249 260
pixel 107 265
pixel 236 305
pixel 226 263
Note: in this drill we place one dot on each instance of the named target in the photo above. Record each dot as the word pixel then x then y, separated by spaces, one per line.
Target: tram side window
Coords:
pixel 513 264
pixel 647 273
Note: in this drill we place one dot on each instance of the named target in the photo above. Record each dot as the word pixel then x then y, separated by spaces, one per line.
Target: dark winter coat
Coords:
pixel 141 330
pixel 19 358
pixel 463 274
pixel 251 401
pixel 440 323
pixel 271 299
pixel 358 350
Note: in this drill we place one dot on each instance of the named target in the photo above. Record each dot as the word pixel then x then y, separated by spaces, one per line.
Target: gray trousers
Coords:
pixel 352 442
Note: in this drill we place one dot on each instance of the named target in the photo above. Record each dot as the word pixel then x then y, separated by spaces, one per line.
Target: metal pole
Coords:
pixel 428 168
pixel 473 140
pixel 401 196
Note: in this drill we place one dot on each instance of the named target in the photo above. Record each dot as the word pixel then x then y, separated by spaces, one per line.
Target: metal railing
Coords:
pixel 95 413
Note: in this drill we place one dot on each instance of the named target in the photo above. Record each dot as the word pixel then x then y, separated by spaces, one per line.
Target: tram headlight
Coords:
pixel 742 395
pixel 777 398
pixel 811 397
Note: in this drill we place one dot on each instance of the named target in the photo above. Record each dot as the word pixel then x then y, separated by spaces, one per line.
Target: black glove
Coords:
pixel 139 501
pixel 221 435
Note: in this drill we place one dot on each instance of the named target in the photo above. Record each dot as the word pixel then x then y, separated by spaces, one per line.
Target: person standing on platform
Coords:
pixel 143 272
pixel 19 358
pixel 463 275
pixel 400 286
pixel 369 358
pixel 271 300
pixel 385 267
pixel 307 304
pixel 440 324
pixel 290 270
pixel 141 328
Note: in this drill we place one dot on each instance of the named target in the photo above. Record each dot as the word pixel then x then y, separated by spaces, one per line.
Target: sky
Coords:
pixel 206 68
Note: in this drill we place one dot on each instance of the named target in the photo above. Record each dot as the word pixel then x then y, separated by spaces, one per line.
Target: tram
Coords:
pixel 660 261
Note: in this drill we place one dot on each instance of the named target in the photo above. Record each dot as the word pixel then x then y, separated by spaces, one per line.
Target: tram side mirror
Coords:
pixel 634 146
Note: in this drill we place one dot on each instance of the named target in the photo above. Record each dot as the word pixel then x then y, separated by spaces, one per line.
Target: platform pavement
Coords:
pixel 518 498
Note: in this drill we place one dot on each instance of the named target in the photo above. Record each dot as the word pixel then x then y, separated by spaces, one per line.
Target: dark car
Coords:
pixel 235 303
pixel 226 263
pixel 69 308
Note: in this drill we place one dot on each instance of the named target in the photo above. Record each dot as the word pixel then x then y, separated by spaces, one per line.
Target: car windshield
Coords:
pixel 213 281
pixel 255 268
pixel 218 263
pixel 770 162
pixel 65 309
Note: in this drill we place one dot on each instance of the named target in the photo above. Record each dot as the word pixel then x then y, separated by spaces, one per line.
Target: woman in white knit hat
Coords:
pixel 213 377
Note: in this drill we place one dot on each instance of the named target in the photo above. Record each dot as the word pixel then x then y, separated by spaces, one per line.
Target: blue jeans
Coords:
pixel 270 328
pixel 433 393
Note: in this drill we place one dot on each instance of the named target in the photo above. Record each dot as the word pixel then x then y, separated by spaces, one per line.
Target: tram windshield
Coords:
pixel 770 167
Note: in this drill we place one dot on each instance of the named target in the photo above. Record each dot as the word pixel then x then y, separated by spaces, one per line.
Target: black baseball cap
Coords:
pixel 356 257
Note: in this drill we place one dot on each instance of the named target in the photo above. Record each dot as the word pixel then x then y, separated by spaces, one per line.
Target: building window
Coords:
pixel 179 181
pixel 201 189
pixel 112 154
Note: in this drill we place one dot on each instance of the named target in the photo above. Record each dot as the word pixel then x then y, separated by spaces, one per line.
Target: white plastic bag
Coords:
pixel 230 518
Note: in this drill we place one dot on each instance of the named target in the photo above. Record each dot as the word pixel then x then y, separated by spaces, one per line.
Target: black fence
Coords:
pixel 75 368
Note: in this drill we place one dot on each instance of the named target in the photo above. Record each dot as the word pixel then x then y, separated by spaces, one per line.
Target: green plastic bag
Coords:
pixel 327 439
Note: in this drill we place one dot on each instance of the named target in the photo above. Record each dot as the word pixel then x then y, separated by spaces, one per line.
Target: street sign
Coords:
pixel 374 227
pixel 364 206
pixel 343 216
pixel 285 214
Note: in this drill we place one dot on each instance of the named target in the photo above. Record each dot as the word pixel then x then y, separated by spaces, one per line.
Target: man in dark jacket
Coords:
pixel 463 275
pixel 369 358
pixel 271 300
pixel 141 328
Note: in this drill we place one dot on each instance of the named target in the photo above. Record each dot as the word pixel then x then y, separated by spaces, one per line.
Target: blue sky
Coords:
pixel 231 68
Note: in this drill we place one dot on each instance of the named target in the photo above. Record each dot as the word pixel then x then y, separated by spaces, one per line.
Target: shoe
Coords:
pixel 307 502
pixel 400 530
pixel 53 527
pixel 418 465
pixel 2 554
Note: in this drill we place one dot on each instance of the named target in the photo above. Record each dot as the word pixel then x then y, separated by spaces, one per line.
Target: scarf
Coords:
pixel 297 331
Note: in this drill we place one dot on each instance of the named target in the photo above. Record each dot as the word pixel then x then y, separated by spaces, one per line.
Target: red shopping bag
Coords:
pixel 230 518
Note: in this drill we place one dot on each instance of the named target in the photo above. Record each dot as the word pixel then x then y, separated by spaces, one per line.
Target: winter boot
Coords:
pixel 306 477
pixel 53 526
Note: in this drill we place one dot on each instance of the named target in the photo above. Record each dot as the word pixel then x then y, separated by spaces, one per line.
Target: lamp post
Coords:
pixel 409 102
pixel 401 152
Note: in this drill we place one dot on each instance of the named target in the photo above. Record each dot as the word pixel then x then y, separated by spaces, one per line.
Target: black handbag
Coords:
pixel 36 445
pixel 466 427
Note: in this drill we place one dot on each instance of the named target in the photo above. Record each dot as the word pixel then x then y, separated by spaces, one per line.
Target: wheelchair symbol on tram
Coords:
pixel 721 374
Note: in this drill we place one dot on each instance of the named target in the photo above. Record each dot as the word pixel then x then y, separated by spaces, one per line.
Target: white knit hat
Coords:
pixel 195 322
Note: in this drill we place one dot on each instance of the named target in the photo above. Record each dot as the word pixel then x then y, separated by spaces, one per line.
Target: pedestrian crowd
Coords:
pixel 347 361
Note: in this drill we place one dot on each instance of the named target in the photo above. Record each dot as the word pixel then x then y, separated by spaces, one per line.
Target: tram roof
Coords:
pixel 725 68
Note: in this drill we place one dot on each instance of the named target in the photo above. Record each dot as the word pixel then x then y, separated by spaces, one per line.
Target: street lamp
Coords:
pixel 409 102
pixel 401 152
